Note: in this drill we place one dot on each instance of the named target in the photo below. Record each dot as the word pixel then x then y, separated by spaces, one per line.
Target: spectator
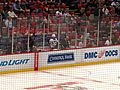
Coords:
pixel 107 42
pixel 45 20
pixel 66 14
pixel 105 10
pixel 58 13
pixel 8 23
pixel 65 42
pixel 31 43
pixel 23 4
pixel 118 25
pixel 12 14
pixel 118 40
pixel 4 14
pixel 115 3
pixel 80 44
pixel 8 5
pixel 17 8
pixel 18 47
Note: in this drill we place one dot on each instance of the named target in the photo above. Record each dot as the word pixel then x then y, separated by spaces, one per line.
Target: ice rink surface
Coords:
pixel 97 77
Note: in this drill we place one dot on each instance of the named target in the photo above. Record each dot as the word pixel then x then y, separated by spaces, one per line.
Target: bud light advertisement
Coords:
pixel 13 62
pixel 60 57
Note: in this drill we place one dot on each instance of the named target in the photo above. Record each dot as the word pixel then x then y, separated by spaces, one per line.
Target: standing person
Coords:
pixel 65 43
pixel 18 47
pixel 8 22
pixel 9 25
pixel 31 43
pixel 12 14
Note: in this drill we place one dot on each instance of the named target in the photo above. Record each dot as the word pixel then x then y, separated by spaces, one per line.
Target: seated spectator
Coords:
pixel 105 10
pixel 12 14
pixel 118 25
pixel 23 4
pixel 65 42
pixel 116 4
pixel 17 8
pixel 18 47
pixel 4 14
pixel 58 13
pixel 65 14
pixel 107 42
pixel 8 5
pixel 80 44
pixel 113 3
pixel 118 40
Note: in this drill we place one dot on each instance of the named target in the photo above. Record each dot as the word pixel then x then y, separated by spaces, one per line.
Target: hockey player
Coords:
pixel 53 42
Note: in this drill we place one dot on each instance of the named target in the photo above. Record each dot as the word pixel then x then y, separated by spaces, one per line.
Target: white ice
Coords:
pixel 97 77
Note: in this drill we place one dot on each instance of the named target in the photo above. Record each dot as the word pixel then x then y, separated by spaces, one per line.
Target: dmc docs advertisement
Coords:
pixel 16 62
pixel 101 53
pixel 56 58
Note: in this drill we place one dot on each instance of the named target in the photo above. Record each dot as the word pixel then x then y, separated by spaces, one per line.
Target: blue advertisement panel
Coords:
pixel 16 62
pixel 60 57
pixel 100 54
pixel 13 62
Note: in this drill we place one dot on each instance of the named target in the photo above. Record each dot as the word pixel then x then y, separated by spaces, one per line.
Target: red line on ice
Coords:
pixel 57 85
pixel 87 79
pixel 67 83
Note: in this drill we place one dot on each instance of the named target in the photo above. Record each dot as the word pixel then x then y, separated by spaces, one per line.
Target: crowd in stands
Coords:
pixel 33 25
pixel 15 8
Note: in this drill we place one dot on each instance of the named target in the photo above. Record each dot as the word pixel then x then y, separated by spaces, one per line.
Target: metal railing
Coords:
pixel 33 33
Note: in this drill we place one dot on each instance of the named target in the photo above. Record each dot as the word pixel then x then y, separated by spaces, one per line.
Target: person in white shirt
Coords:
pixel 58 13
pixel 66 14
pixel 105 10
pixel 9 23
pixel 80 44
pixel 12 14
pixel 107 42
pixel 114 3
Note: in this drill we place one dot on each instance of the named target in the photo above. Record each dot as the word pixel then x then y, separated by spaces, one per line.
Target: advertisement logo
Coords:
pixel 60 57
pixel 100 54
pixel 14 62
